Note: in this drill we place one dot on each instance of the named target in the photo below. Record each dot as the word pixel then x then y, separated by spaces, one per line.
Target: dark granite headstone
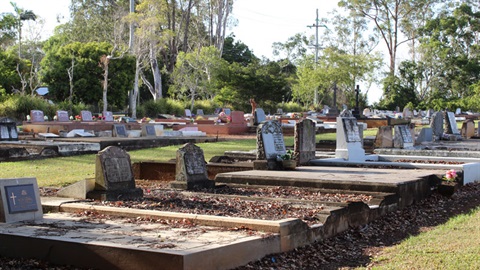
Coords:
pixel 120 131
pixel 426 135
pixel 304 145
pixel 191 169
pixel 148 130
pixel 402 137
pixel 8 130
pixel 451 124
pixel 37 116
pixel 62 116
pixel 259 116
pixel 19 200
pixel 86 116
pixel 114 179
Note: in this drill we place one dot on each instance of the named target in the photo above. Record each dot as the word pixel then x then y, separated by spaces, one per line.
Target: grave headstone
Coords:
pixel 367 112
pixel 270 143
pixel 259 116
pixel 148 130
pixel 304 141
pixel 62 116
pixel 349 143
pixel 227 111
pixel 451 124
pixel 384 137
pixel 402 137
pixel 8 130
pixel 108 116
pixel 429 113
pixel 86 116
pixel 19 200
pixel 114 178
pixel 200 112
pixel 191 169
pixel 37 116
pixel 468 129
pixel 426 135
pixel 407 113
pixel 237 117
pixel 188 113
pixel 119 131
pixel 436 123
pixel 458 111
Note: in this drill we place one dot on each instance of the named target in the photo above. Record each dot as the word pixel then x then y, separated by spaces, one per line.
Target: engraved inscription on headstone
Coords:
pixel 405 134
pixel 148 130
pixel 108 116
pixel 4 132
pixel 117 169
pixel 21 198
pixel 114 178
pixel 271 136
pixel 191 169
pixel 37 116
pixel 351 129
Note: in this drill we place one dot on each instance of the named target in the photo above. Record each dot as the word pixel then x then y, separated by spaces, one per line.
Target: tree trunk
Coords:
pixel 133 97
pixel 157 76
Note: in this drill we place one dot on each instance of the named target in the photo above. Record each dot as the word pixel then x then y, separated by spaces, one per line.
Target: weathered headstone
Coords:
pixel 148 130
pixel 37 116
pixel 349 143
pixel 402 137
pixel 227 111
pixel 426 135
pixel 188 113
pixel 458 111
pixel 468 129
pixel 108 116
pixel 270 143
pixel 384 137
pixel 119 131
pixel 407 113
pixel 191 169
pixel 8 130
pixel 259 116
pixel 114 179
pixel 200 112
pixel 304 141
pixel 451 130
pixel 436 123
pixel 19 200
pixel 429 113
pixel 86 116
pixel 62 116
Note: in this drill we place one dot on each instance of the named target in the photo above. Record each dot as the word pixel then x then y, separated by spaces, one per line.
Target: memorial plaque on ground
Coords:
pixel 191 169
pixel 8 130
pixel 37 116
pixel 86 116
pixel 119 131
pixel 270 134
pixel 62 116
pixel 20 200
pixel 304 141
pixel 114 178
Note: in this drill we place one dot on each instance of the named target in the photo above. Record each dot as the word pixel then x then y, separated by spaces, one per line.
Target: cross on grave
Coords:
pixel 13 197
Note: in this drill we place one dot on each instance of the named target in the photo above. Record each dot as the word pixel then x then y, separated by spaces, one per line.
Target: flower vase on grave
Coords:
pixel 289 164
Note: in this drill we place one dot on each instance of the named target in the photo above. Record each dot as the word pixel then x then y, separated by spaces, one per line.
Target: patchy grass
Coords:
pixel 453 245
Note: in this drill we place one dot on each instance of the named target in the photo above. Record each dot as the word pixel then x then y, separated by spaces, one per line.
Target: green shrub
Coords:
pixel 290 107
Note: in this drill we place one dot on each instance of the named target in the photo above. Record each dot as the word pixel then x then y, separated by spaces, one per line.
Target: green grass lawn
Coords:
pixel 453 245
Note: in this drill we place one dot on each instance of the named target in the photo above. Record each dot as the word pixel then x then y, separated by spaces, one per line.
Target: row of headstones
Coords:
pixel 444 126
pixel 62 116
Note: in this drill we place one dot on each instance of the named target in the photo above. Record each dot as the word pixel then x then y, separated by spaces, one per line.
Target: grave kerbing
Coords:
pixel 191 169
pixel 114 178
